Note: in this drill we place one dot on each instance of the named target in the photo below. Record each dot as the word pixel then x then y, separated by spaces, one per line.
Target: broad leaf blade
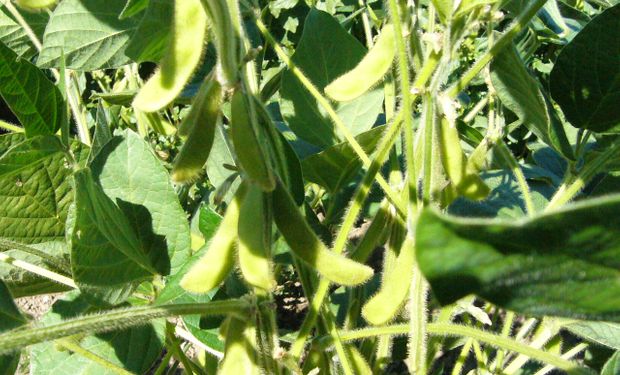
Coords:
pixel 14 36
pixel 325 52
pixel 27 154
pixel 89 34
pixel 585 80
pixel 108 260
pixel 604 333
pixel 520 93
pixel 565 263
pixel 135 179
pixel 32 97
pixel 150 41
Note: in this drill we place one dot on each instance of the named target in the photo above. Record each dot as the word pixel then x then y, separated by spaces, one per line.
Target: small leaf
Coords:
pixel 564 263
pixel 10 318
pixel 585 80
pixel 32 97
pixel 612 367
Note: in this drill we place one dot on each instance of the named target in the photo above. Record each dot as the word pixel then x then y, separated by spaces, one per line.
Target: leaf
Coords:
pixel 26 154
pixel 10 318
pixel 134 349
pixel 325 52
pixel 89 34
pixel 604 333
pixel 14 36
pixel 132 176
pixel 108 259
pixel 133 7
pixel 612 367
pixel 585 80
pixel 32 97
pixel 520 93
pixel 505 199
pixel 33 210
pixel 564 263
pixel 150 40
pixel 327 167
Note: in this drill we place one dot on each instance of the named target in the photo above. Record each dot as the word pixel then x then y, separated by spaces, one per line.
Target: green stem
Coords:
pixel 513 30
pixel 568 355
pixel 331 112
pixel 450 329
pixel 11 127
pixel 116 320
pixel 418 325
pixel 458 365
pixel 38 270
pixel 518 173
pixel 77 349
pixel 174 346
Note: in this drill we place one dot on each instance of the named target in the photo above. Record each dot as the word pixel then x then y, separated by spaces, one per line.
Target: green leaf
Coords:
pixel 10 318
pixel 328 166
pixel 612 367
pixel 150 41
pixel 28 153
pixel 33 210
pixel 520 93
pixel 134 349
pixel 325 52
pixel 89 33
pixel 131 175
pixel 585 80
pixel 133 7
pixel 604 333
pixel 564 263
pixel 108 259
pixel 14 36
pixel 32 97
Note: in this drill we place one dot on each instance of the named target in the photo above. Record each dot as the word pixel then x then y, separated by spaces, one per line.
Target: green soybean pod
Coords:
pixel 248 149
pixel 239 357
pixel 308 247
pixel 182 57
pixel 35 5
pixel 199 124
pixel 384 305
pixel 253 246
pixel 368 71
pixel 226 43
pixel 216 264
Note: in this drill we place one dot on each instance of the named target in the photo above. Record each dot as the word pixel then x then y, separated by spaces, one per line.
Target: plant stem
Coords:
pixel 189 337
pixel 331 112
pixel 450 329
pixel 11 127
pixel 38 270
pixel 504 40
pixel 568 355
pixel 77 349
pixel 458 366
pixel 518 173
pixel 115 320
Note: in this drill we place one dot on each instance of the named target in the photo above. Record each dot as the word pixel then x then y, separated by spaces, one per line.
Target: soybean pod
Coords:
pixel 384 305
pixel 308 247
pixel 239 357
pixel 183 55
pixel 253 245
pixel 248 149
pixel 217 263
pixel 199 126
pixel 226 42
pixel 35 5
pixel 368 71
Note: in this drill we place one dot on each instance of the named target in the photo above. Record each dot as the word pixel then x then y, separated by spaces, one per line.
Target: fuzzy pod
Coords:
pixel 308 247
pixel 36 5
pixel 239 353
pixel 252 159
pixel 384 305
pixel 358 362
pixel 183 55
pixel 370 70
pixel 199 126
pixel 214 266
pixel 253 245
pixel 226 43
